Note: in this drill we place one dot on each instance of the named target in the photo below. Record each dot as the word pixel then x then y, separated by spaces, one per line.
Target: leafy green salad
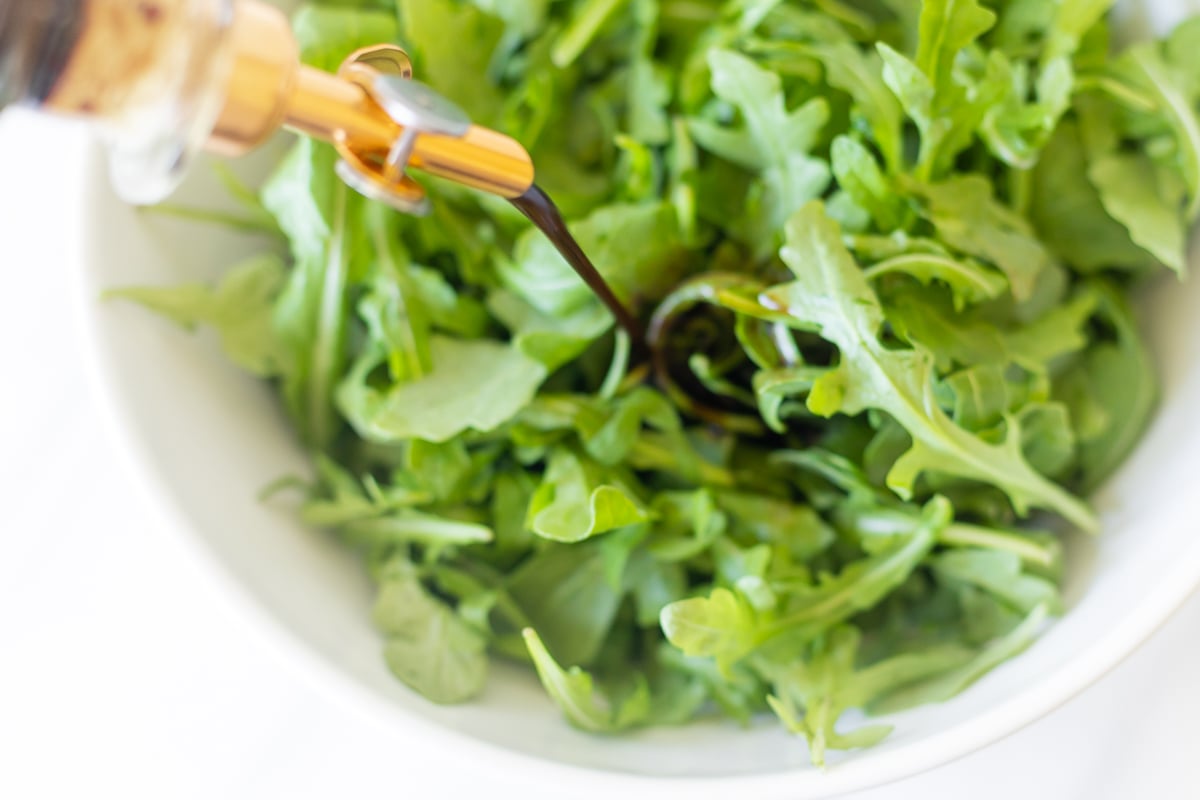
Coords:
pixel 884 251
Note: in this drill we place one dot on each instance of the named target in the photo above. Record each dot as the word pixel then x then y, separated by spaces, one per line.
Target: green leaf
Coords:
pixel 970 282
pixel 947 27
pixel 831 295
pixel 328 34
pixel 567 597
pixel 860 75
pixel 410 526
pixel 721 626
pixel 1134 201
pixel 1017 130
pixel 575 694
pixel 475 385
pixel 428 646
pixel 863 584
pixel 794 526
pixel 970 220
pixel 774 142
pixel 1073 20
pixel 983 396
pixel 1067 211
pixel 819 687
pixel 999 574
pixel 1120 377
pixel 1147 66
pixel 860 176
pixel 455 70
pixel 947 105
pixel 239 310
pixel 944 687
pixel 572 505
pixel 316 212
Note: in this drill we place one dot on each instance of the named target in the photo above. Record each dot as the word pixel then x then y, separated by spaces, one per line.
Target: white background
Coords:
pixel 125 672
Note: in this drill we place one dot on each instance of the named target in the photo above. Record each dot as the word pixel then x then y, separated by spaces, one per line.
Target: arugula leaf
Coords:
pixel 574 692
pixel 316 213
pixel 774 142
pixel 969 219
pixel 947 106
pixel 571 506
pixel 428 646
pixel 474 385
pixel 1000 574
pixel 1071 219
pixel 239 310
pixel 970 282
pixel 819 686
pixel 829 682
pixel 831 296
pixel 860 176
pixel 947 27
pixel 568 599
pixel 1137 204
pixel 1119 376
pixel 943 687
pixel 1146 65
pixel 723 626
pixel 328 34
pixel 454 70
pixel 860 75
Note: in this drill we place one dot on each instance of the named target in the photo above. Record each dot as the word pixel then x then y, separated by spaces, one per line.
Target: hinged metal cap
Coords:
pixel 385 72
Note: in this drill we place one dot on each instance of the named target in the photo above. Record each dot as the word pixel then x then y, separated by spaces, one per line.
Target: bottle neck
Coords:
pixel 148 75
pixel 37 38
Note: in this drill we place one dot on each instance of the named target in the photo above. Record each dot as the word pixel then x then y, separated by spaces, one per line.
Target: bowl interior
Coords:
pixel 209 438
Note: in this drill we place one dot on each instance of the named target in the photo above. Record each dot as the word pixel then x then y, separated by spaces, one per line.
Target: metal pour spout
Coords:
pixel 380 120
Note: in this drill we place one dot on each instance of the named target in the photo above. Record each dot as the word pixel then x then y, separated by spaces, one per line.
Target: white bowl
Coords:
pixel 206 439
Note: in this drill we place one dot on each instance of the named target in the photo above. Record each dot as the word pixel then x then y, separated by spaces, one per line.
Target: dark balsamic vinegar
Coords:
pixel 541 211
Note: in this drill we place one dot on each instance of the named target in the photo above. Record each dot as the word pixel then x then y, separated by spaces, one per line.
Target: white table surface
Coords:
pixel 125 672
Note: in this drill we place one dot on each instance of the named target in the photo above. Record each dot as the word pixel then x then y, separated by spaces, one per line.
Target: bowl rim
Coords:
pixel 864 771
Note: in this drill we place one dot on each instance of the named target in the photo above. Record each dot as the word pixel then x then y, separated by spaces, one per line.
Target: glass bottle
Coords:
pixel 150 74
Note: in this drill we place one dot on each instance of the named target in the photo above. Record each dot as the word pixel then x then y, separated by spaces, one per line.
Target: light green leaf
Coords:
pixel 999 574
pixel 575 694
pixel 328 34
pixel 970 220
pixel 970 282
pixel 475 385
pixel 428 646
pixel 571 505
pixel 860 176
pixel 947 27
pixel 831 296
pixel 1127 189
pixel 721 626
pixel 944 687
pixel 774 142
pixel 567 597
pixel 403 527
pixel 860 75
pixel 239 309
pixel 1147 65
pixel 1067 212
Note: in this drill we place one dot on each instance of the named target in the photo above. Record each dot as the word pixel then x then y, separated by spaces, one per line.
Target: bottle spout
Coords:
pixel 382 122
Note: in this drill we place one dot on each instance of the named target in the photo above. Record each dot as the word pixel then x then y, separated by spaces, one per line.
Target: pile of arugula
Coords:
pixel 884 248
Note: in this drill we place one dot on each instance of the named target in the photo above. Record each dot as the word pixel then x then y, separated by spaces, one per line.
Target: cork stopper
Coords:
pixel 36 42
pixel 149 74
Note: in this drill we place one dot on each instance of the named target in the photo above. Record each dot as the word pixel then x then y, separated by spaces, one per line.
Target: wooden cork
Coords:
pixel 127 51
